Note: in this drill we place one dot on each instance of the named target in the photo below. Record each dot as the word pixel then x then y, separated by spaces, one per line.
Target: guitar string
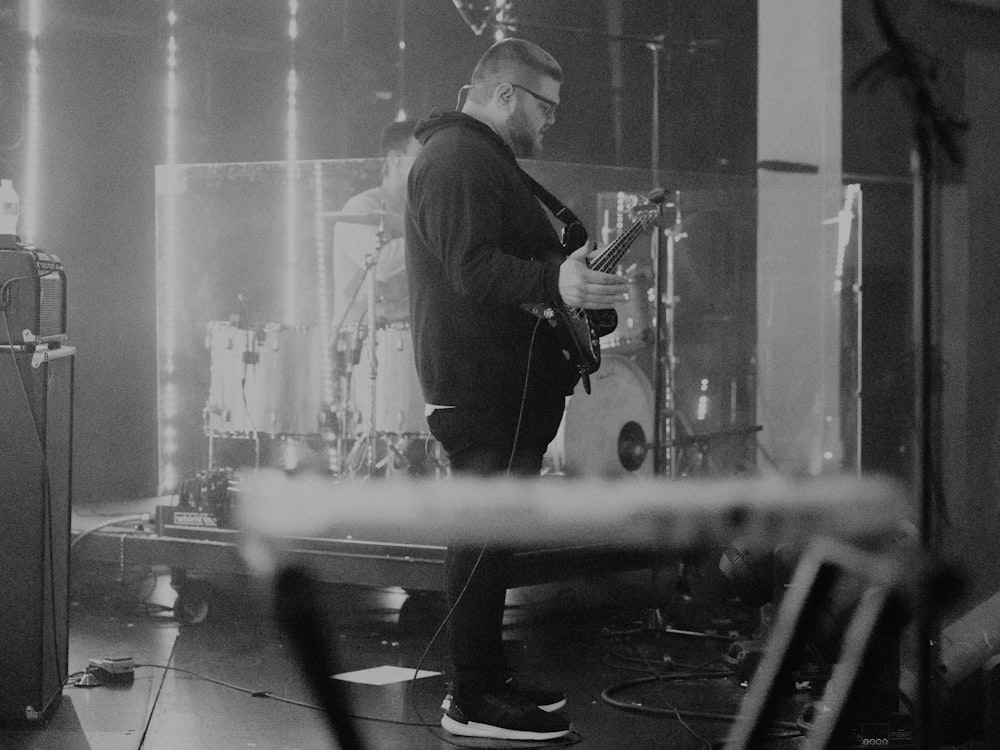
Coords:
pixel 625 239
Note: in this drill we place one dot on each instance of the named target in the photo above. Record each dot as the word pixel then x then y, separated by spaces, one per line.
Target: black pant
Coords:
pixel 481 442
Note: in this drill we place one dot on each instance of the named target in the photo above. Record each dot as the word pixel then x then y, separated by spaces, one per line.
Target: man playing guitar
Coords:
pixel 479 249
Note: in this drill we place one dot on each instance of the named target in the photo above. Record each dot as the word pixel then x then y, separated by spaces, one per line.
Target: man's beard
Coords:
pixel 523 141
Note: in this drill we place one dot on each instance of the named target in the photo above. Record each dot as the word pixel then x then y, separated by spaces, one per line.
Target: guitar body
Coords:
pixel 579 330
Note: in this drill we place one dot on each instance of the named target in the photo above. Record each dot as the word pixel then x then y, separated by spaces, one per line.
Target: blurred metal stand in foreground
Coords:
pixel 841 523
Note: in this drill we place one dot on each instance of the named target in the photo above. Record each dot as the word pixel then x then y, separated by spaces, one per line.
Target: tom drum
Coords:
pixel 265 380
pixel 399 402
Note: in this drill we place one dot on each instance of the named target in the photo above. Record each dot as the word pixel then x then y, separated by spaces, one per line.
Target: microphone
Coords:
pixel 243 319
pixel 359 342
pixel 656 196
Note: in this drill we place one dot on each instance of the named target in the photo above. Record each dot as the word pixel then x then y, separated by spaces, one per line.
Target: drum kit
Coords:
pixel 267 386
pixel 271 384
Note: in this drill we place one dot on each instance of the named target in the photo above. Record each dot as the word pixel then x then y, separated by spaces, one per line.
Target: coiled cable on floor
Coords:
pixel 607 696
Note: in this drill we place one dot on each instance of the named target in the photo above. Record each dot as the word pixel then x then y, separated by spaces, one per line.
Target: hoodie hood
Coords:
pixel 438 121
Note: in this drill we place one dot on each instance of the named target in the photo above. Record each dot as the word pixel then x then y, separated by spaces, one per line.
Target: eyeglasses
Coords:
pixel 550 106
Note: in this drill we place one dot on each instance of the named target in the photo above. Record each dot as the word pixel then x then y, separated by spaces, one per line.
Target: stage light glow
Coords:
pixel 291 201
pixel 703 401
pixel 30 192
pixel 291 171
pixel 170 401
pixel 401 63
pixel 322 284
pixel 33 18
pixel 502 10
pixel 168 482
pixel 167 271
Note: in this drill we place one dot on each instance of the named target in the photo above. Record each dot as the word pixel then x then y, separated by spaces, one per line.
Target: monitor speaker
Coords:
pixel 36 426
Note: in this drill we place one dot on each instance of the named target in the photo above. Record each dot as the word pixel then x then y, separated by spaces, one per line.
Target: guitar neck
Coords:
pixel 614 252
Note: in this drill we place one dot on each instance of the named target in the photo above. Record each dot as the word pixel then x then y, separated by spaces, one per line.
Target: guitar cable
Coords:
pixel 475 566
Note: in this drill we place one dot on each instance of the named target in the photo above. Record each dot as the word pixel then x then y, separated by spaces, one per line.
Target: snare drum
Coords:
pixel 605 433
pixel 399 402
pixel 265 380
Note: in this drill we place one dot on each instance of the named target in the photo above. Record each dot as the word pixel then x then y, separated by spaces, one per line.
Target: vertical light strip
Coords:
pixel 501 15
pixel 322 284
pixel 167 273
pixel 401 44
pixel 30 192
pixel 291 168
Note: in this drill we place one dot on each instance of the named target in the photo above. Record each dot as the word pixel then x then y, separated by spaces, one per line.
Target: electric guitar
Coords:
pixel 579 330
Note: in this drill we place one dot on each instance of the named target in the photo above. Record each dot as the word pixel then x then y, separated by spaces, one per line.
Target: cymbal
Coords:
pixel 372 219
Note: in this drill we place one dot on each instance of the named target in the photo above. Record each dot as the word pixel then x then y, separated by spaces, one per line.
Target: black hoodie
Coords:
pixel 473 228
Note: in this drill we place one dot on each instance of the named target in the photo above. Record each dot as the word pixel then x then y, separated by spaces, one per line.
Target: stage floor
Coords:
pixel 203 686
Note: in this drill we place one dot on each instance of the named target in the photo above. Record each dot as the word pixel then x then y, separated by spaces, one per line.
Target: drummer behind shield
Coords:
pixel 356 235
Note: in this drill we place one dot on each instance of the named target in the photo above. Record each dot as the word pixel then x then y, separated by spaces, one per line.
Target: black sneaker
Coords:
pixel 499 719
pixel 516 692
pixel 546 700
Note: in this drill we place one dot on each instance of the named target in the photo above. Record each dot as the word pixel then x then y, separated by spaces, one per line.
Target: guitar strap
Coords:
pixel 574 233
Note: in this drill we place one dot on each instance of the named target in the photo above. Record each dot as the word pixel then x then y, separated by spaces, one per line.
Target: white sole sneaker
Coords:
pixel 552 706
pixel 474 729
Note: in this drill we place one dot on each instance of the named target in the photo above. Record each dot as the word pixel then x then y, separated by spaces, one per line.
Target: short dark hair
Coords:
pixel 396 136
pixel 517 60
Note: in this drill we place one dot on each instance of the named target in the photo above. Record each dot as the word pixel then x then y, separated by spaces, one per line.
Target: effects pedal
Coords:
pixel 112 669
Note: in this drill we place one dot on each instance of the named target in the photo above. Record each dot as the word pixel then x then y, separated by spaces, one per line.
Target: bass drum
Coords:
pixel 265 380
pixel 604 434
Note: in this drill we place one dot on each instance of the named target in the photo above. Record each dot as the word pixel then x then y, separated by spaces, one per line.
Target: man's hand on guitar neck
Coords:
pixel 581 286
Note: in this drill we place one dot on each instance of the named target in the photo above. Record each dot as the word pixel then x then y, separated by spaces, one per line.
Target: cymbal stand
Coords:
pixel 365 448
pixel 664 358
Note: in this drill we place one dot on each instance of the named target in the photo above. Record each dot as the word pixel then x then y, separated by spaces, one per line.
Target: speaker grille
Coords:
pixel 52 305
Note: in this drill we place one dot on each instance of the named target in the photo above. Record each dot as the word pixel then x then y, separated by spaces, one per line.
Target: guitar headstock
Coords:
pixel 648 209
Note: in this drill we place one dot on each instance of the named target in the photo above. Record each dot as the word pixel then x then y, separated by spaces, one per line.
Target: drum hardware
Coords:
pixel 632 448
pixel 373 219
pixel 664 357
pixel 632 445
pixel 374 451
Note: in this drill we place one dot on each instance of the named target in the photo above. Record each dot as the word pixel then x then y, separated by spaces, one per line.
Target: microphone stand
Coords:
pixel 933 128
pixel 664 352
pixel 367 445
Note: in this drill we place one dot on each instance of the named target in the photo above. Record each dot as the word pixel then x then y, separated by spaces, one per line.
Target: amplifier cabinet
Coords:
pixel 36 427
pixel 33 296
